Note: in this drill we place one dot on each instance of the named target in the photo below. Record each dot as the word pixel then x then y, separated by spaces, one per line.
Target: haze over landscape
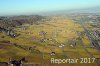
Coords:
pixel 29 7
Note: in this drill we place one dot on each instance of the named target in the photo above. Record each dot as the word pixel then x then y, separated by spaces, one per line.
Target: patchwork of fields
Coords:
pixel 60 36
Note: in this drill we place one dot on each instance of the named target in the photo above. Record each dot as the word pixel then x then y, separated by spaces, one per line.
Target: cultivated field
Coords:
pixel 60 35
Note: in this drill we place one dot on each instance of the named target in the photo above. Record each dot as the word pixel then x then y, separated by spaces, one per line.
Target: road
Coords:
pixel 92 41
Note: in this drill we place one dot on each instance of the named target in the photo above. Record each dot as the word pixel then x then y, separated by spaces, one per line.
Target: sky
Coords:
pixel 19 7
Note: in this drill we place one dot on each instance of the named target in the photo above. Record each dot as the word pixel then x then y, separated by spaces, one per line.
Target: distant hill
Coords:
pixel 87 10
pixel 65 12
pixel 8 22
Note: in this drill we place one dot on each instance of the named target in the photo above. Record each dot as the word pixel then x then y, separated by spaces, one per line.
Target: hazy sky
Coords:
pixel 14 7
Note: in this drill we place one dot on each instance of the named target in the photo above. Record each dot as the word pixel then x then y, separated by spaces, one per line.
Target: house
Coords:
pixel 52 53
pixel 42 33
pixel 43 40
